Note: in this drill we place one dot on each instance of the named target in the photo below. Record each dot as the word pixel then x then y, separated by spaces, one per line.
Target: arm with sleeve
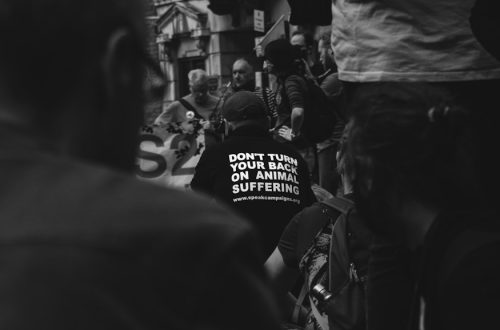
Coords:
pixel 296 98
pixel 169 115
pixel 205 173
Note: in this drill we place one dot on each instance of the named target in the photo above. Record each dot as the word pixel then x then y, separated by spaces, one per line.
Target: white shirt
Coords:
pixel 408 40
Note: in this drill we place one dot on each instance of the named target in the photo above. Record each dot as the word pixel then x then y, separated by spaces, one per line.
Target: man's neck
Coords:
pixel 248 86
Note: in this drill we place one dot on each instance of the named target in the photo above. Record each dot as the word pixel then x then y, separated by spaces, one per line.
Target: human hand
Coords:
pixel 206 124
pixel 286 133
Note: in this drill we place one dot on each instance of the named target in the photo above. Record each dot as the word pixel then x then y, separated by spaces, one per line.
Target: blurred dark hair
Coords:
pixel 47 46
pixel 282 55
pixel 414 138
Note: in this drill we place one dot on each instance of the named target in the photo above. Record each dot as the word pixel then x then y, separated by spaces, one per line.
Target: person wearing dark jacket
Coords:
pixel 264 180
pixel 436 262
pixel 84 244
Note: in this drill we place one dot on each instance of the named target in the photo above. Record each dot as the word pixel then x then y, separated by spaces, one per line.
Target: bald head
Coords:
pixel 243 73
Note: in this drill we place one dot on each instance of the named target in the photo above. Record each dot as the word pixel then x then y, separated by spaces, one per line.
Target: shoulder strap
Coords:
pixel 340 204
pixel 298 303
pixel 318 219
pixel 190 107
pixel 187 105
pixel 320 318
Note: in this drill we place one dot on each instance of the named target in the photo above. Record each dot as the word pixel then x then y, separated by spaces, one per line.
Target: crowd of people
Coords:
pixel 388 221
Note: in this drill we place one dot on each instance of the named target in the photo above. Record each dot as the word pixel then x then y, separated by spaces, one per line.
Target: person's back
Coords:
pixel 418 190
pixel 84 247
pixel 83 244
pixel 262 179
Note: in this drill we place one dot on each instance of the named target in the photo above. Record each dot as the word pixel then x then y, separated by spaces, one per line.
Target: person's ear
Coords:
pixel 120 66
pixel 122 111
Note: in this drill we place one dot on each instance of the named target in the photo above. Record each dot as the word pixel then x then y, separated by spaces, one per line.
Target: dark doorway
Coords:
pixel 186 65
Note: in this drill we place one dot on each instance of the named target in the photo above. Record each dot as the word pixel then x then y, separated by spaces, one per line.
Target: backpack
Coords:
pixel 347 268
pixel 319 118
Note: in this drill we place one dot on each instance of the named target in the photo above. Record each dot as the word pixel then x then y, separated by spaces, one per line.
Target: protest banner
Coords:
pixel 168 154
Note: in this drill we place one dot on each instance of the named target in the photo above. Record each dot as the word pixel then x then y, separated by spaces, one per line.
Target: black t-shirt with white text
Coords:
pixel 265 181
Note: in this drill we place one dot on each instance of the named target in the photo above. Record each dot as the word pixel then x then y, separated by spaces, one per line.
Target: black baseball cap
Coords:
pixel 243 105
pixel 281 54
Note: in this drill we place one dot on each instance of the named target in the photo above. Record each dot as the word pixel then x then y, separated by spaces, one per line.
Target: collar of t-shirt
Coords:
pixel 250 131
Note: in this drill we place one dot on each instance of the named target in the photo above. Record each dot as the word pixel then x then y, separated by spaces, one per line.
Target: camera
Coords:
pixel 322 295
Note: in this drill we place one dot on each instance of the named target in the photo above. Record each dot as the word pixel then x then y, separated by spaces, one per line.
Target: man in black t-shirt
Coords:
pixel 264 180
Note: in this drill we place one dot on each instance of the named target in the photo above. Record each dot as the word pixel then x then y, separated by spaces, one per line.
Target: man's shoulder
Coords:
pixel 175 106
pixel 90 205
pixel 160 209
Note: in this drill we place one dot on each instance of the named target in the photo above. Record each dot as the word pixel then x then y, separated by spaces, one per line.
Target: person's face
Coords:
pixel 300 41
pixel 200 93
pixel 242 73
pixel 325 55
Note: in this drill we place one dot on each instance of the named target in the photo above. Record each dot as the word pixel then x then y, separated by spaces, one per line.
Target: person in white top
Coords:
pixel 413 40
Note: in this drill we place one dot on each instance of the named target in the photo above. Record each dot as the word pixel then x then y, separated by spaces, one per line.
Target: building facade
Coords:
pixel 189 35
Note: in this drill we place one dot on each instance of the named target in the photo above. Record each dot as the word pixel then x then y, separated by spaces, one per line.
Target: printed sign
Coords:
pixel 169 154
pixel 258 21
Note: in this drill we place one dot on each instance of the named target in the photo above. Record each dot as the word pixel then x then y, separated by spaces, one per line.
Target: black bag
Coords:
pixel 319 118
pixel 348 267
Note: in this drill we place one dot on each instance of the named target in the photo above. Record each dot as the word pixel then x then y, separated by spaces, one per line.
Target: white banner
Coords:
pixel 169 154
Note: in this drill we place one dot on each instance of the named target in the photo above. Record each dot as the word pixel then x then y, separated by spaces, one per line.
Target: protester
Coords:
pixel 304 245
pixel 244 80
pixel 262 179
pixel 291 98
pixel 243 76
pixel 448 45
pixel 416 184
pixel 198 104
pixel 326 56
pixel 84 245
pixel 306 45
pixel 435 42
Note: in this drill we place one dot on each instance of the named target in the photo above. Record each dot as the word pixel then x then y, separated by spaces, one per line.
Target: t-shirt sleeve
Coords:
pixel 295 92
pixel 205 173
pixel 288 242
pixel 308 196
pixel 169 115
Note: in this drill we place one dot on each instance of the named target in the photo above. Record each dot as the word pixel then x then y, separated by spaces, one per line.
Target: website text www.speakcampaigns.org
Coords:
pixel 267 198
